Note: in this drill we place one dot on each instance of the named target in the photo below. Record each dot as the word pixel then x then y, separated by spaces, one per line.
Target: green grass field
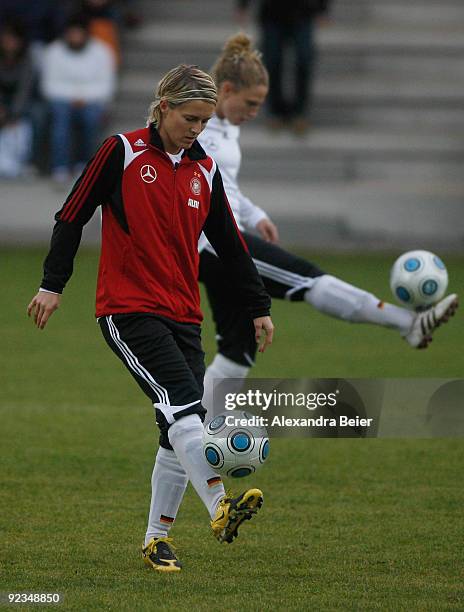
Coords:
pixel 346 525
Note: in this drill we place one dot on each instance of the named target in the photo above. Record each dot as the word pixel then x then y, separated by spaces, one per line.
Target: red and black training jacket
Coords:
pixel 152 216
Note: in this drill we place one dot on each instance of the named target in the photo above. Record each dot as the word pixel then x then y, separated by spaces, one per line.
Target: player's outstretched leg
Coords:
pixel 232 511
pixel 336 298
pixel 159 555
pixel 425 323
pixel 341 300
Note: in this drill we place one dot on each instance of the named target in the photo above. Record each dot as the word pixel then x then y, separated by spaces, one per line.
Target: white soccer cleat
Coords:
pixel 425 323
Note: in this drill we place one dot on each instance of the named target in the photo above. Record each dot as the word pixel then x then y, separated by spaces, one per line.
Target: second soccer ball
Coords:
pixel 418 279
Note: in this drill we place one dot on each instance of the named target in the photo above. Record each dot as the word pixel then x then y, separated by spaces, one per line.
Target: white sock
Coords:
pixel 334 297
pixel 168 484
pixel 185 436
pixel 221 367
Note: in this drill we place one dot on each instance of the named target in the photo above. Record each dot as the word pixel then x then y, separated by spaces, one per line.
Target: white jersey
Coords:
pixel 220 140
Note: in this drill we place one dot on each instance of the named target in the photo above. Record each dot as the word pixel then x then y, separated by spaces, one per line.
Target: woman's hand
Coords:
pixel 43 305
pixel 268 231
pixel 263 324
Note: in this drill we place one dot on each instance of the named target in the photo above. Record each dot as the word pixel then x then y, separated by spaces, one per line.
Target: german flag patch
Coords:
pixel 212 482
pixel 166 519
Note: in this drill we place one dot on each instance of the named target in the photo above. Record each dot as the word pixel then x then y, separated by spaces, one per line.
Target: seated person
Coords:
pixel 77 81
pixel 16 81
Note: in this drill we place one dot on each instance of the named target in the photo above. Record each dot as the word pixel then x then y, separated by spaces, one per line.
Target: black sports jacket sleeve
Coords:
pixel 221 230
pixel 92 189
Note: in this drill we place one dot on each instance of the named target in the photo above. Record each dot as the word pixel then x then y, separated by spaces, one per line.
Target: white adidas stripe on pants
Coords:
pixel 134 364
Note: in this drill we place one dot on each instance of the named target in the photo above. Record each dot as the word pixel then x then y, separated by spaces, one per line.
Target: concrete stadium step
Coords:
pixel 374 99
pixel 340 113
pixel 394 77
pixel 391 88
pixel 423 63
pixel 358 214
pixel 376 35
pixel 383 167
pixel 385 88
pixel 186 11
pixel 368 50
pixel 368 98
pixel 421 114
pixel 397 12
pixel 351 153
pixel 445 12
pixel 381 36
pixel 407 215
pixel 420 63
pixel 385 107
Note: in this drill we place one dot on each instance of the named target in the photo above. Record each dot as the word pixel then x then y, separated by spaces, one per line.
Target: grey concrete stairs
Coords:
pixel 381 62
pixel 383 166
pixel 384 163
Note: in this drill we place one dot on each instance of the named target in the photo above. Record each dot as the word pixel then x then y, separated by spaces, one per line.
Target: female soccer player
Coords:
pixel 158 190
pixel 242 82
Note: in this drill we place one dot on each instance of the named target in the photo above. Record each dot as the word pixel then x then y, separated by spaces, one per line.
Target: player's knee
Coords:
pixel 167 416
pixel 339 299
pixel 366 302
pixel 235 366
pixel 191 424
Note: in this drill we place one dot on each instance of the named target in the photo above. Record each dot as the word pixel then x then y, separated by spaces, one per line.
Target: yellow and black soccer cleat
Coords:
pixel 231 512
pixel 158 555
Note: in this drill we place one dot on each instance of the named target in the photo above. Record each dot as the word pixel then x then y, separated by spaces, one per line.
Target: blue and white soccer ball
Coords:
pixel 418 279
pixel 233 445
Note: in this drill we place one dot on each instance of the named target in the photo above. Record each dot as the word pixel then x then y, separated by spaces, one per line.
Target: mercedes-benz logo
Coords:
pixel 148 173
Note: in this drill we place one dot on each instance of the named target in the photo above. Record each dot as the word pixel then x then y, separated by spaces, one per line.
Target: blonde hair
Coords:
pixel 180 85
pixel 240 64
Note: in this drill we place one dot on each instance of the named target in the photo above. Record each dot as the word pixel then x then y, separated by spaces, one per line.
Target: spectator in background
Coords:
pixel 103 16
pixel 128 13
pixel 286 24
pixel 43 21
pixel 16 82
pixel 78 80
